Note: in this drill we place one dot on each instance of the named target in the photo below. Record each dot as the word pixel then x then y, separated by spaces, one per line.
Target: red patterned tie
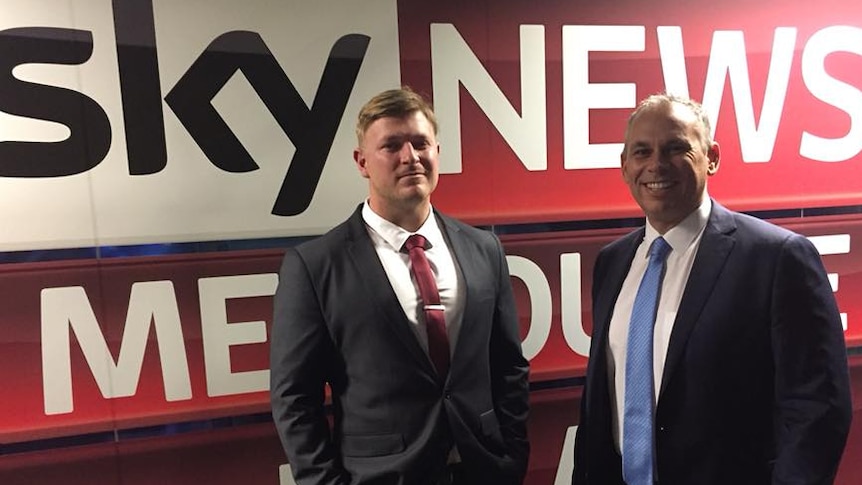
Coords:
pixel 435 322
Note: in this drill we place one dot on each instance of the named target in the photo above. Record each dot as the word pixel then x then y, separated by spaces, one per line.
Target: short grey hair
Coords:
pixel 665 98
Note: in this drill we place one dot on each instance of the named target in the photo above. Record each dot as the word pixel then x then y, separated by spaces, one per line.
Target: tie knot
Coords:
pixel 659 249
pixel 417 241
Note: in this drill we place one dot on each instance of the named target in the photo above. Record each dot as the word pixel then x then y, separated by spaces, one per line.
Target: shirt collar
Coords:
pixel 682 235
pixel 395 235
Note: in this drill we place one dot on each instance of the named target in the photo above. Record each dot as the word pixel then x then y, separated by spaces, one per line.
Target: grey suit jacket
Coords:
pixel 338 322
pixel 755 386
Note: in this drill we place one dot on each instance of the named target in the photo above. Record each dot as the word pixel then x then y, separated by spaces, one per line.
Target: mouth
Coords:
pixel 659 185
pixel 413 174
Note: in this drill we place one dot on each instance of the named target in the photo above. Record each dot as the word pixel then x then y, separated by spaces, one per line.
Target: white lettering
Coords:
pixel 567 458
pixel 579 95
pixel 833 92
pixel 69 307
pixel 727 59
pixel 453 64
pixel 540 303
pixel 833 244
pixel 219 334
pixel 672 57
pixel 570 298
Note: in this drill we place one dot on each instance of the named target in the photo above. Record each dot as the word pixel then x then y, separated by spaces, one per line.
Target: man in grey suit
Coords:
pixel 423 392
pixel 746 374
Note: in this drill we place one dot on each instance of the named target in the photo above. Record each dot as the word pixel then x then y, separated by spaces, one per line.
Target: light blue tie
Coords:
pixel 639 398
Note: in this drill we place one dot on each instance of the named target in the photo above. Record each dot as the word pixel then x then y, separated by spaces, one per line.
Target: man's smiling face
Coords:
pixel 666 161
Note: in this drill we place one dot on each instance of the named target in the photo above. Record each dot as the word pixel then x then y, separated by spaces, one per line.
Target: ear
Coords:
pixel 623 163
pixel 714 156
pixel 361 161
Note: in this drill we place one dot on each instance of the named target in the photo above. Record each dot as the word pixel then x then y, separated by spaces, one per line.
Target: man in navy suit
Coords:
pixel 348 315
pixel 749 381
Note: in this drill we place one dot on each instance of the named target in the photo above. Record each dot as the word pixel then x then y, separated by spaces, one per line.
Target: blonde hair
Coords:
pixel 393 103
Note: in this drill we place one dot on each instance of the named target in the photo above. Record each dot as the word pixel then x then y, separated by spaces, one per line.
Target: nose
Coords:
pixel 408 153
pixel 660 159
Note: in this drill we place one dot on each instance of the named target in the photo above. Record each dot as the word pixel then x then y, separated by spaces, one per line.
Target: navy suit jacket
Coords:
pixel 338 322
pixel 755 386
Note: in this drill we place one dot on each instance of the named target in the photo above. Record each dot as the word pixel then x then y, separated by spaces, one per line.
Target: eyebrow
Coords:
pixel 394 137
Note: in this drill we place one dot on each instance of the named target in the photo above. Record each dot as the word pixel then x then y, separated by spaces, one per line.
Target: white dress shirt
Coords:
pixel 388 240
pixel 684 238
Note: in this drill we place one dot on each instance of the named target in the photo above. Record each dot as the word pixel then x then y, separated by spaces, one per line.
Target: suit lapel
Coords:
pixel 370 272
pixel 464 253
pixel 715 246
pixel 618 263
